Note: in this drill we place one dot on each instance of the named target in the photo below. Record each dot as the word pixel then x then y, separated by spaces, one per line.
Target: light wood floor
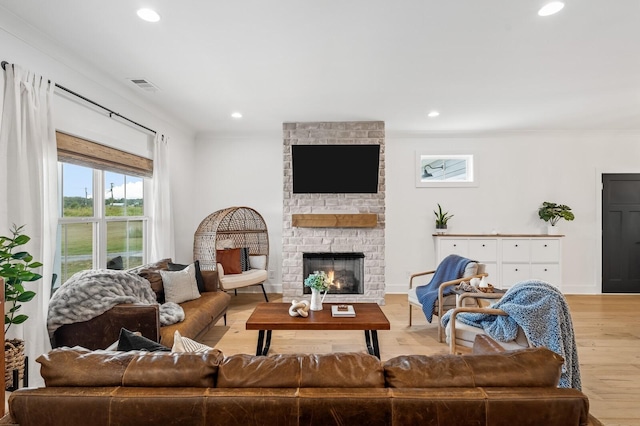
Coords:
pixel 607 329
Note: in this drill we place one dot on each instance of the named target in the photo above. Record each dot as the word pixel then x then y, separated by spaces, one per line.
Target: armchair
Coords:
pixel 532 313
pixel 444 282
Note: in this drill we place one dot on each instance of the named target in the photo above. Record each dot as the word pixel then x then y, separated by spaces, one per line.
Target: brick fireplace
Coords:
pixel 355 222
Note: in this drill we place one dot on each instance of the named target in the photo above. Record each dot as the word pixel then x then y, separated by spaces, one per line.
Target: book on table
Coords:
pixel 343 311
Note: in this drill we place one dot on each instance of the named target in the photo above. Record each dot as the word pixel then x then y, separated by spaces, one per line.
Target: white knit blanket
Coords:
pixel 90 293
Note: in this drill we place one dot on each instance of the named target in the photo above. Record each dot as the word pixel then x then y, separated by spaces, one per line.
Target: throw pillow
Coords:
pixel 180 267
pixel 180 286
pixel 151 273
pixel 116 263
pixel 230 260
pixel 129 341
pixel 245 265
pixel 258 261
pixel 184 344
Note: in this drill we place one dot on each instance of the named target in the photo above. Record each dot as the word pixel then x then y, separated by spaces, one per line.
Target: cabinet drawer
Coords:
pixel 483 250
pixel 545 251
pixel 516 250
pixel 453 246
pixel 547 272
pixel 514 273
pixel 491 268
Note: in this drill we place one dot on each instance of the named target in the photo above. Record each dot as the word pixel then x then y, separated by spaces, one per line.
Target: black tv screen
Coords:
pixel 335 169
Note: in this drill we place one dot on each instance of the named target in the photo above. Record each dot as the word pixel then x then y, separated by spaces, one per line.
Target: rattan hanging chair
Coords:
pixel 233 227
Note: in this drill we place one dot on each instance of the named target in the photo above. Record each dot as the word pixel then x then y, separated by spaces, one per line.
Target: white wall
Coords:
pixel 243 172
pixel 27 49
pixel 516 172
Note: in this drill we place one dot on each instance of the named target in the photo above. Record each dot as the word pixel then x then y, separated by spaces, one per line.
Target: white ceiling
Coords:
pixel 486 65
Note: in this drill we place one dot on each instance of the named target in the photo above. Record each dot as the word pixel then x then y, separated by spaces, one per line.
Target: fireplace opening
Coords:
pixel 345 270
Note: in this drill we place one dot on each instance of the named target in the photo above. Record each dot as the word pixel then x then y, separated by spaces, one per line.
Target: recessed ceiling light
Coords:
pixel 236 115
pixel 433 114
pixel 551 8
pixel 148 15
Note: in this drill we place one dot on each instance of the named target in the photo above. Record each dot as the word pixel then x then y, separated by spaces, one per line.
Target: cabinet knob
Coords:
pixel 455 245
pixel 545 245
pixel 545 269
pixel 483 245
pixel 516 269
pixel 516 245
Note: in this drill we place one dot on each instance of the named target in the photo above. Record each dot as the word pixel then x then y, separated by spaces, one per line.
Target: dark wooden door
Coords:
pixel 621 233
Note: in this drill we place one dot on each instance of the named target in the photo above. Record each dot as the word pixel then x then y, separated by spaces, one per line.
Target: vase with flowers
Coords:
pixel 318 282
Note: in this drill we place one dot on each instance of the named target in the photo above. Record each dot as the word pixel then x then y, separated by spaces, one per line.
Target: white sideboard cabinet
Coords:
pixel 510 258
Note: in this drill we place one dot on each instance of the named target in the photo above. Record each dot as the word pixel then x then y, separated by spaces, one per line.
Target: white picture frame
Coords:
pixel 445 170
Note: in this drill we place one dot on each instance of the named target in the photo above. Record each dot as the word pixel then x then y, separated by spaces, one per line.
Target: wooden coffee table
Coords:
pixel 275 316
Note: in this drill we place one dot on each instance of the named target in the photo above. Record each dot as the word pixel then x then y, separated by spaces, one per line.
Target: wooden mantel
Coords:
pixel 358 220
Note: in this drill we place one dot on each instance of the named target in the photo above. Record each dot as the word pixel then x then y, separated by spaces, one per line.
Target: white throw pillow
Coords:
pixel 184 344
pixel 258 261
pixel 180 286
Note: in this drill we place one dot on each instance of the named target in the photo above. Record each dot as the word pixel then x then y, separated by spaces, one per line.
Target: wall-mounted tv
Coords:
pixel 335 169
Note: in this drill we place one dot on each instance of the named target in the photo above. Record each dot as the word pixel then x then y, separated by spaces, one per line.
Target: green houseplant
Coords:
pixel 441 219
pixel 16 267
pixel 552 213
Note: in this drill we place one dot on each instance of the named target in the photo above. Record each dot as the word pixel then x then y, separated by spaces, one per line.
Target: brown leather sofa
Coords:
pixel 134 388
pixel 200 315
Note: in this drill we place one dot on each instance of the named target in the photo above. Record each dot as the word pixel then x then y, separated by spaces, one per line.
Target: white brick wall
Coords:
pixel 369 241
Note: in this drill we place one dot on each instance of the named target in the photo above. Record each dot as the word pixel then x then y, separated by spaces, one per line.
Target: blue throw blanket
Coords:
pixel 451 268
pixel 542 312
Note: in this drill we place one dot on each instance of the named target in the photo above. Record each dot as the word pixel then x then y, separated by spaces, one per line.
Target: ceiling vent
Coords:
pixel 144 84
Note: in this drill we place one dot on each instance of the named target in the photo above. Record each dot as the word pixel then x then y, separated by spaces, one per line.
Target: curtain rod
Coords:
pixel 111 112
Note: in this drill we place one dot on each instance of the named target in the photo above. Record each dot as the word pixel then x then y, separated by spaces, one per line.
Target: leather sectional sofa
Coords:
pixel 104 388
pixel 200 315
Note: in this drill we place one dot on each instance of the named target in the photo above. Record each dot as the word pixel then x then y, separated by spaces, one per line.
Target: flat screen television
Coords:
pixel 335 169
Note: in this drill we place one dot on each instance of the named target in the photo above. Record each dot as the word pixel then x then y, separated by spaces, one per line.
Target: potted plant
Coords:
pixel 552 213
pixel 16 267
pixel 441 220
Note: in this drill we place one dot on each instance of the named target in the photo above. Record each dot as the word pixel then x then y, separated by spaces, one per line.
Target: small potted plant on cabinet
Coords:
pixel 16 267
pixel 552 213
pixel 441 220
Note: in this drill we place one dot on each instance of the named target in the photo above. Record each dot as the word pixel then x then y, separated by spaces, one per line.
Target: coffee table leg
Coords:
pixel 371 339
pixel 260 350
pixel 267 343
pixel 260 340
pixel 376 348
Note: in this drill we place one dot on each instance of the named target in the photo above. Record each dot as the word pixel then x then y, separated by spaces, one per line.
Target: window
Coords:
pixel 102 223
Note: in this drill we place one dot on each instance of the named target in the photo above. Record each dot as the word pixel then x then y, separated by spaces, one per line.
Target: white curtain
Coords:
pixel 162 241
pixel 28 191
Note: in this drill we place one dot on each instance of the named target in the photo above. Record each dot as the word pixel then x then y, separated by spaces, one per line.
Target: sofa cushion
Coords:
pixel 337 370
pixel 180 286
pixel 179 267
pixel 81 367
pixel 199 316
pixel 537 367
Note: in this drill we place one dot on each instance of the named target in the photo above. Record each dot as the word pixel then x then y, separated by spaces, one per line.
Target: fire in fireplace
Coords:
pixel 345 270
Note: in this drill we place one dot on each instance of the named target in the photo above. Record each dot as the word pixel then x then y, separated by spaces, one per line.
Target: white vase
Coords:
pixel 316 300
pixel 552 230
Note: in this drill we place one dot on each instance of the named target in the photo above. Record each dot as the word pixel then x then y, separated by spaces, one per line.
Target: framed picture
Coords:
pixel 442 170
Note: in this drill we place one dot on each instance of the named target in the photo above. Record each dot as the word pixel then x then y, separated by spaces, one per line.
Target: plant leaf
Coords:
pixel 19 319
